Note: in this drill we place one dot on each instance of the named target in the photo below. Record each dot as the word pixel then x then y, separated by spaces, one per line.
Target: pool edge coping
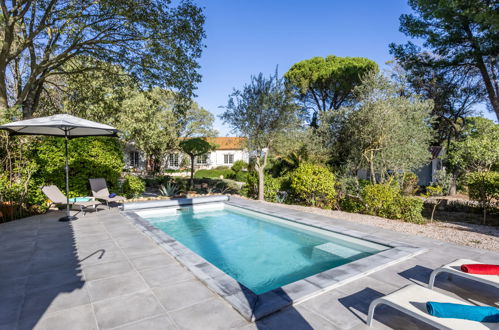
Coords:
pixel 254 307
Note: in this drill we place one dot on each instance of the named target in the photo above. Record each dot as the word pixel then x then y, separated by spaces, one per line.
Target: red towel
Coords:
pixel 482 269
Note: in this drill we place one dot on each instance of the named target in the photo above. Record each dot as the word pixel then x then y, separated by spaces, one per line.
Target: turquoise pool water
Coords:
pixel 260 252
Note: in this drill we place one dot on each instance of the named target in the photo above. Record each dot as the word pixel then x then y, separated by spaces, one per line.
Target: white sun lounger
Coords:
pixel 412 300
pixel 455 269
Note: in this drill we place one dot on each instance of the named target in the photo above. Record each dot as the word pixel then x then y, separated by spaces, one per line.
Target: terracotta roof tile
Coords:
pixel 228 143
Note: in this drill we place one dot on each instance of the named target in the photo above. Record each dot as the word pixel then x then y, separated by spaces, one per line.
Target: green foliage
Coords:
pixel 262 112
pixel 197 122
pixel 409 183
pixel 155 42
pixel 195 146
pixel 384 132
pixel 328 83
pixel 411 209
pixel 483 187
pixel 89 157
pixel 385 200
pixel 272 187
pixel 239 165
pixel 170 189
pixel 381 199
pixel 313 184
pixel 148 120
pixel 478 149
pixel 433 191
pixel 463 36
pixel 214 174
pixel 133 186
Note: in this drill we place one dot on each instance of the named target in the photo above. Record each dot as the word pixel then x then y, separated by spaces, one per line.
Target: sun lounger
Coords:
pixel 100 191
pixel 57 198
pixel 454 268
pixel 412 300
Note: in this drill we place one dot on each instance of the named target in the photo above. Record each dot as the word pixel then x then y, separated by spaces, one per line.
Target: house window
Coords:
pixel 133 158
pixel 173 160
pixel 228 158
pixel 202 160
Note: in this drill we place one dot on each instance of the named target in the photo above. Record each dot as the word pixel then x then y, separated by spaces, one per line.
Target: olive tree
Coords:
pixel 262 111
pixel 383 132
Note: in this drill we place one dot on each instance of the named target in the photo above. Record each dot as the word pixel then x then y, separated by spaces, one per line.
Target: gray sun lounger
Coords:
pixel 57 198
pixel 454 268
pixel 412 299
pixel 100 191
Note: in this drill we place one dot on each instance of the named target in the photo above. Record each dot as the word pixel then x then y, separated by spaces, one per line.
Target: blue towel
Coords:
pixel 112 195
pixel 465 312
pixel 79 199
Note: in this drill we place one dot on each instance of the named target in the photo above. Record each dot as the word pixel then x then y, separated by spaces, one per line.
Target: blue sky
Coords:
pixel 247 37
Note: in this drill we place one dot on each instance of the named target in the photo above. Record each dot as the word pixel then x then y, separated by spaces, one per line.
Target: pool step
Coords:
pixel 334 249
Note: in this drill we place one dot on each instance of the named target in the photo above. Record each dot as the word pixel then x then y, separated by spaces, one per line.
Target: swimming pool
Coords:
pixel 261 252
pixel 262 257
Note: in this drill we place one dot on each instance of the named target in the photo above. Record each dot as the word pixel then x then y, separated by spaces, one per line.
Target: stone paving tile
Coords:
pixel 172 273
pixel 216 315
pixel 49 305
pixel 181 295
pixel 76 318
pixel 54 299
pixel 152 261
pixel 10 309
pixel 156 323
pixel 116 286
pixel 45 280
pixel 295 318
pixel 99 271
pixel 114 312
pixel 12 287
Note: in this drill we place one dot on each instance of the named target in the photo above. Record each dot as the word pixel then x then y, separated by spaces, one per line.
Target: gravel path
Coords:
pixel 478 236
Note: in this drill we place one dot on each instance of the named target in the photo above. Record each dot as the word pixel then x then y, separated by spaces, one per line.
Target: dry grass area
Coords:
pixel 462 233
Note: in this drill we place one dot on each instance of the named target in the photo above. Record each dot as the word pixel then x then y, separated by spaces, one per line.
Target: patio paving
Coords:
pixel 101 272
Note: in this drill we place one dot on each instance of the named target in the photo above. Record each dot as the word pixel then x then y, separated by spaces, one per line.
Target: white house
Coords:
pixel 228 150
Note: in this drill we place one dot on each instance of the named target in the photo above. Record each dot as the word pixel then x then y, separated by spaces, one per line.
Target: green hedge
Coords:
pixel 214 174
pixel 89 157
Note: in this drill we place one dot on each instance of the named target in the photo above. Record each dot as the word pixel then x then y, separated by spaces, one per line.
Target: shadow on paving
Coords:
pixel 358 304
pixel 39 270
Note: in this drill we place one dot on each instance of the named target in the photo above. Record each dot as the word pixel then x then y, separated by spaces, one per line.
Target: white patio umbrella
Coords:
pixel 62 125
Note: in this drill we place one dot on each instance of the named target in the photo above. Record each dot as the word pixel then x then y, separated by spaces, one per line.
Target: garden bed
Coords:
pixel 462 233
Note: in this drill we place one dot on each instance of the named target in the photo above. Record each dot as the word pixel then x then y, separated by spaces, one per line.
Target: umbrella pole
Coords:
pixel 68 216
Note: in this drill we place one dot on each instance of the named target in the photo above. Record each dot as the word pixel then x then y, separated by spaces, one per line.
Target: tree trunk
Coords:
pixel 3 91
pixel 453 186
pixel 260 168
pixel 191 182
pixel 261 183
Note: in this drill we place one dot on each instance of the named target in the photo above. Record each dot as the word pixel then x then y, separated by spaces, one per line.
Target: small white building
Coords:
pixel 228 150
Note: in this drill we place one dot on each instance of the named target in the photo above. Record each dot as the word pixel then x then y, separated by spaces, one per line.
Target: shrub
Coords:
pixel 271 187
pixel 313 184
pixel 381 199
pixel 410 209
pixel 239 165
pixel 483 187
pixel 133 186
pixel 385 200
